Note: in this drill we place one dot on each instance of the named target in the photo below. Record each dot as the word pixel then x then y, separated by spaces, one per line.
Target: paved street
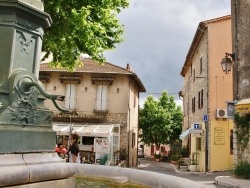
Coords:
pixel 162 167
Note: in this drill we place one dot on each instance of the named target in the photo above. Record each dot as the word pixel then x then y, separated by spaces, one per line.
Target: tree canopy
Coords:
pixel 82 26
pixel 160 120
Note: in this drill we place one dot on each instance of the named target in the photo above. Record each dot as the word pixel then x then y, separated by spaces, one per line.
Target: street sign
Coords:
pixel 195 131
pixel 196 126
pixel 205 118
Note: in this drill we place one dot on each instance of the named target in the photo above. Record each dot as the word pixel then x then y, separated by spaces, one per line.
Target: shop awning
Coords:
pixel 184 134
pixel 95 130
pixel 85 130
pixel 62 129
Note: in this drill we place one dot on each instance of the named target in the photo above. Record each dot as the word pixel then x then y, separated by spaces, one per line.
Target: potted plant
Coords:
pixel 174 159
pixel 157 156
pixel 194 166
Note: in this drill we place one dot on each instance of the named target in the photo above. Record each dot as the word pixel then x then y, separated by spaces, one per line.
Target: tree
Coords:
pixel 82 26
pixel 160 120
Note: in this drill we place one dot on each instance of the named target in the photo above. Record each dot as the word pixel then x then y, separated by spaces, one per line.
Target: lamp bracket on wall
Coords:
pixel 231 55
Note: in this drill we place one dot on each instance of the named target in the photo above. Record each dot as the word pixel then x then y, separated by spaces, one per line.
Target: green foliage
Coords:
pixel 123 154
pixel 242 132
pixel 157 156
pixel 242 170
pixel 160 120
pixel 184 151
pixel 88 26
pixel 175 157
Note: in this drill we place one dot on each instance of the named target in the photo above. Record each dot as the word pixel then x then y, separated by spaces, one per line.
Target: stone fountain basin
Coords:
pixel 143 177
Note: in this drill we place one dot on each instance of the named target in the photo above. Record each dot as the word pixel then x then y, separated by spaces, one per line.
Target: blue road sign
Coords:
pixel 205 118
pixel 196 126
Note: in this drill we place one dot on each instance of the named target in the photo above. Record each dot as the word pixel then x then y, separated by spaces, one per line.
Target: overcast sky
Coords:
pixel 158 34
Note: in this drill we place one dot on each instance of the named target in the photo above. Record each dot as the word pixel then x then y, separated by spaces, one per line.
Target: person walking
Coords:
pixel 73 152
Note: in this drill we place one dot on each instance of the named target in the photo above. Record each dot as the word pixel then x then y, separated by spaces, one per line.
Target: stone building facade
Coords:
pixel 241 67
pixel 205 92
pixel 97 94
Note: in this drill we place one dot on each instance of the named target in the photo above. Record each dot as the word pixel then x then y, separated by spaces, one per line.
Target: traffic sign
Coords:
pixel 195 131
pixel 196 126
pixel 205 118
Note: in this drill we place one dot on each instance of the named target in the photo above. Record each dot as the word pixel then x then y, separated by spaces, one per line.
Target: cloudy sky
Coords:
pixel 158 34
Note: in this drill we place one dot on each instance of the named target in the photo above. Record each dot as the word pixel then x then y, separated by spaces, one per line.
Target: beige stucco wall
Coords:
pixel 85 99
pixel 133 122
pixel 221 159
pixel 220 84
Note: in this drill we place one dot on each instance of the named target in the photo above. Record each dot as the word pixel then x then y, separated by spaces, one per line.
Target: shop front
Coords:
pixel 98 143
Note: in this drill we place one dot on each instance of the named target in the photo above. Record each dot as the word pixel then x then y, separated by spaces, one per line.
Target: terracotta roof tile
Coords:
pixel 90 66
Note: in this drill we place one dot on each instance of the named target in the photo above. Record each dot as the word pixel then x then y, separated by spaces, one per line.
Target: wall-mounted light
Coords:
pixel 118 90
pixel 227 62
pixel 54 87
pixel 86 89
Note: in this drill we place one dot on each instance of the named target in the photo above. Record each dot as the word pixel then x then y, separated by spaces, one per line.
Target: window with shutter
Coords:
pixel 70 101
pixel 101 98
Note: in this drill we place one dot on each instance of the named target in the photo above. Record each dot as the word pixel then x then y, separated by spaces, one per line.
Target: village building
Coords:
pixel 104 105
pixel 207 128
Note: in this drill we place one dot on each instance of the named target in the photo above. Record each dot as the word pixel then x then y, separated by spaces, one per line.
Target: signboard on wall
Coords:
pixel 219 136
pixel 101 145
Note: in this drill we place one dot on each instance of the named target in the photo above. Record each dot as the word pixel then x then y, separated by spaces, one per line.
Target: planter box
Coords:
pixel 174 162
pixel 194 168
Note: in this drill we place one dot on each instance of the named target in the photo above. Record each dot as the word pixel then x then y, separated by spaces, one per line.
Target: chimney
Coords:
pixel 128 67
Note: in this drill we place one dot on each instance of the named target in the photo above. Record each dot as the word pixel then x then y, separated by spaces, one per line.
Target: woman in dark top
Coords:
pixel 74 149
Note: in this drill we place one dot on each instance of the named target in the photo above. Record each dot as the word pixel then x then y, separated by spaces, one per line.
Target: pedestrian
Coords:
pixel 73 152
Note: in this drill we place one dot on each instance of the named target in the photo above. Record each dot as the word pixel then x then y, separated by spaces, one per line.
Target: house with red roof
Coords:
pixel 104 108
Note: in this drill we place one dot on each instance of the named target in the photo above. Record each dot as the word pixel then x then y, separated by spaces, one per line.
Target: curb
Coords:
pixel 224 183
pixel 232 182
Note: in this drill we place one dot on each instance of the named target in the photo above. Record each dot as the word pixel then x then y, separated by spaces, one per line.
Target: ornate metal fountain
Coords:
pixel 27 140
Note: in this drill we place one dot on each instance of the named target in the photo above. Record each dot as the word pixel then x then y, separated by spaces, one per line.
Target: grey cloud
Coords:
pixel 158 34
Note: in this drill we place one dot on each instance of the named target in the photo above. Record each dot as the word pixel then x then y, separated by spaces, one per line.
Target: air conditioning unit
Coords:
pixel 221 113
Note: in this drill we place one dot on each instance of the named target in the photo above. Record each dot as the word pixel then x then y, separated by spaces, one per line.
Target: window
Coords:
pixel 101 98
pixel 193 104
pixel 194 75
pixel 198 143
pixel 70 96
pixel 201 67
pixel 87 140
pixel 200 99
pixel 133 140
pixel 191 71
pixel 162 149
pixel 231 141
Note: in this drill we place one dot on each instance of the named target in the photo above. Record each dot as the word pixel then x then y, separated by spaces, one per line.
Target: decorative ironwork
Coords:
pixel 22 110
pixel 25 42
